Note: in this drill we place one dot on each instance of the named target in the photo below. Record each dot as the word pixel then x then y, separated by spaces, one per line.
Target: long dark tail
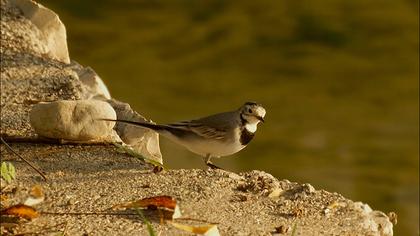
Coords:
pixel 142 124
pixel 165 130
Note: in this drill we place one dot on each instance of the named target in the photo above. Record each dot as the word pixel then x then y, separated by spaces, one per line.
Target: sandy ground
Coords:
pixel 94 178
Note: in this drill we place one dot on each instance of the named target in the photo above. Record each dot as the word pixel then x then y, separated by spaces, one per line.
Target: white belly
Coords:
pixel 215 148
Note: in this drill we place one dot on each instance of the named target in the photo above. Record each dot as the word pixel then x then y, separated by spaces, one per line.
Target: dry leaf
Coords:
pixel 150 202
pixel 36 196
pixel 165 203
pixel 20 210
pixel 206 230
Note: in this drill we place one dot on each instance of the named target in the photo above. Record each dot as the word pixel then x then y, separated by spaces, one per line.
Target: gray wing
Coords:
pixel 211 127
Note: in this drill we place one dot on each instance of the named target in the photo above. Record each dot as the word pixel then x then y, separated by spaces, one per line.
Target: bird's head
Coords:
pixel 252 112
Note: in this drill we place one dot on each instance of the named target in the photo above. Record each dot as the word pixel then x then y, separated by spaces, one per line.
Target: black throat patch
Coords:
pixel 246 136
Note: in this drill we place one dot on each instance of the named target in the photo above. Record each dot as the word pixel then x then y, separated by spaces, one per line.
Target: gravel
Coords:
pixel 94 178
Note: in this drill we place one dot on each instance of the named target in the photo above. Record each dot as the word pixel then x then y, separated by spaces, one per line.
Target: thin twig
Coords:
pixel 42 140
pixel 120 214
pixel 89 213
pixel 197 220
pixel 23 159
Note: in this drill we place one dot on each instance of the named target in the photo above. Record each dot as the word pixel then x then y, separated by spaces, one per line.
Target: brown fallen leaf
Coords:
pixel 164 203
pixel 206 230
pixel 20 210
pixel 150 202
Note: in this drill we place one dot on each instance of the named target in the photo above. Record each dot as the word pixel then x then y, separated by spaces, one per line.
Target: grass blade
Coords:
pixel 147 222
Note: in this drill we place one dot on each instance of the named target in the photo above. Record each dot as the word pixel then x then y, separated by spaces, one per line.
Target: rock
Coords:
pixel 362 207
pixel 308 188
pixel 49 24
pixel 234 176
pixel 375 221
pixel 383 223
pixel 28 74
pixel 23 88
pixel 260 182
pixel 94 86
pixel 73 120
pixel 142 140
pixel 392 217
pixel 275 193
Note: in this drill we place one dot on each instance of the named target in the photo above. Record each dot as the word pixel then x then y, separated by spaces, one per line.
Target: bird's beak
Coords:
pixel 260 118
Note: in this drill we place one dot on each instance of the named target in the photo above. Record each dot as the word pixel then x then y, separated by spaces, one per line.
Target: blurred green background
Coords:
pixel 338 78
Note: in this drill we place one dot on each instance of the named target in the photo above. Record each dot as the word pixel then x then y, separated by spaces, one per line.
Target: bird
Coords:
pixel 213 136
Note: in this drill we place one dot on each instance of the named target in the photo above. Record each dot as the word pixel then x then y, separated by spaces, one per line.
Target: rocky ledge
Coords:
pixel 86 173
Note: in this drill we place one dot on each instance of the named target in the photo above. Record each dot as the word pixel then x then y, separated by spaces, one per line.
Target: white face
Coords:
pixel 253 113
pixel 260 111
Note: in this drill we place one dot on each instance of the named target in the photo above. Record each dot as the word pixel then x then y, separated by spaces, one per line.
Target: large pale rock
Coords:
pixel 375 221
pixel 94 87
pixel 73 120
pixel 49 24
pixel 142 140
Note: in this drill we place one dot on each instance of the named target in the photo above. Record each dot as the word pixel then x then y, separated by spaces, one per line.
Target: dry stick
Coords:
pixel 43 140
pixel 87 213
pixel 23 159
pixel 197 220
pixel 115 214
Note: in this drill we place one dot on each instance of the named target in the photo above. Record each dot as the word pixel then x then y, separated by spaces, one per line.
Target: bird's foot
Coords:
pixel 213 166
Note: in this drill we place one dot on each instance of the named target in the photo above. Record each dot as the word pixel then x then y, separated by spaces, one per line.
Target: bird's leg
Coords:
pixel 209 164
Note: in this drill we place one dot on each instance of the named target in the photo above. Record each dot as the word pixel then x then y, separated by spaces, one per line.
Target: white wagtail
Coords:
pixel 217 135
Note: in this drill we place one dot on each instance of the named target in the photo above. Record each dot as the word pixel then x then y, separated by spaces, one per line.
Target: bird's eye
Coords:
pixel 250 110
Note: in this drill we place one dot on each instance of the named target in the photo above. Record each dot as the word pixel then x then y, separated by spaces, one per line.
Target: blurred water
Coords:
pixel 339 80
